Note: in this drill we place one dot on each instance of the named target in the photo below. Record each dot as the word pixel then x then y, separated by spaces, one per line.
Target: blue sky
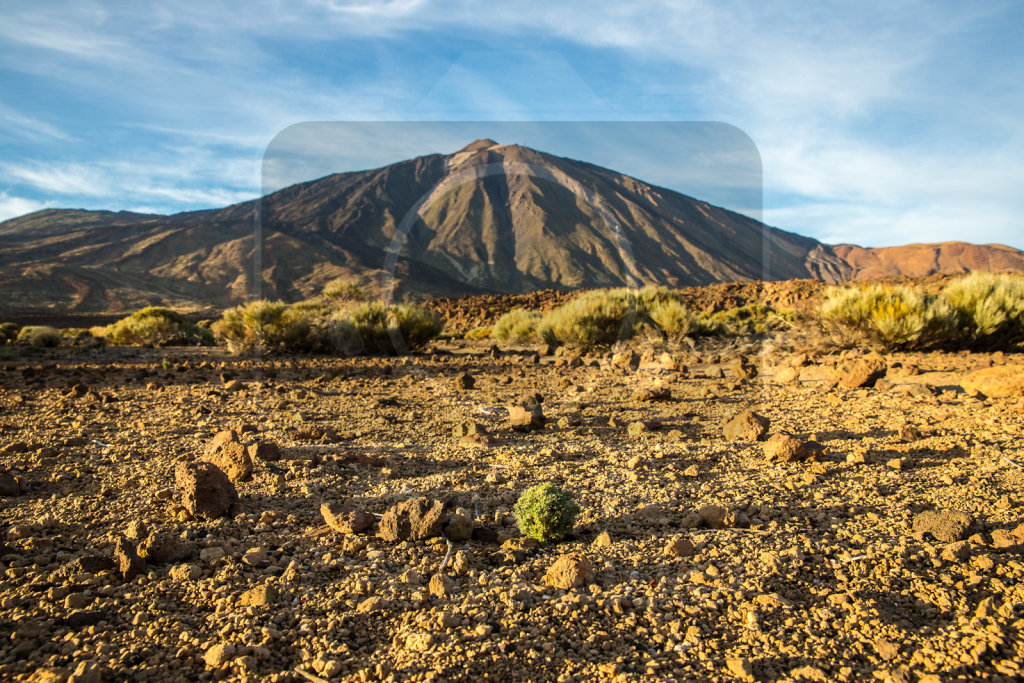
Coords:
pixel 874 123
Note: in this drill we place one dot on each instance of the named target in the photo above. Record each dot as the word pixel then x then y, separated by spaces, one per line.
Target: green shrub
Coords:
pixel 479 333
pixel 271 327
pixel 377 327
pixel 545 512
pixel 887 316
pixel 518 325
pixel 8 332
pixel 41 336
pixel 988 308
pixel 595 318
pixel 673 318
pixel 155 326
pixel 747 319
pixel 341 289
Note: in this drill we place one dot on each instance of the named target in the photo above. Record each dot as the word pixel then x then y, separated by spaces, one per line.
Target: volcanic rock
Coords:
pixel 204 489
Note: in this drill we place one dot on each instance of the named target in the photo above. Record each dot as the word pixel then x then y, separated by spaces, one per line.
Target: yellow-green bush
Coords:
pixel 377 327
pixel 887 316
pixel 518 325
pixel 39 335
pixel 748 319
pixel 269 326
pixel 341 289
pixel 673 318
pixel 154 326
pixel 479 333
pixel 988 308
pixel 594 318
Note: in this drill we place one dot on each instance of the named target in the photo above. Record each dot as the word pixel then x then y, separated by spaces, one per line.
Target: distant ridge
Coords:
pixel 491 218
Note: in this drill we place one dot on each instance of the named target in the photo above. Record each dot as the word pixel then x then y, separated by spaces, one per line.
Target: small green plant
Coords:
pixel 518 325
pixel 545 512
pixel 270 326
pixel 166 364
pixel 479 333
pixel 40 336
pixel 154 326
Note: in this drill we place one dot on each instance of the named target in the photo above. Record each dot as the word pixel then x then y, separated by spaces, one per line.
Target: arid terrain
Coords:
pixel 881 541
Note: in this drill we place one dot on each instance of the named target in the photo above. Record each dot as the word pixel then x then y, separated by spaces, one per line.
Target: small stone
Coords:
pixel 413 520
pixel 136 530
pixel 746 426
pixel 8 484
pixel 570 571
pixel 784 447
pixel 636 428
pixel 1000 381
pixel 459 528
pixel 130 564
pixel 464 381
pixel 468 427
pixel 234 460
pixel 908 433
pixel 691 471
pixel 886 649
pixel 440 586
pixel 680 547
pixel 219 654
pixel 895 463
pixel 162 547
pixel 205 490
pixel 266 451
pixel 346 519
pixel 254 557
pixel 713 517
pixel 740 667
pixel 646 394
pixel 787 375
pixel 860 372
pixel 419 642
pixel 603 539
pixel 211 554
pixel 370 604
pixel 957 552
pixel 259 596
pixel 946 526
pixel 217 442
pixel 185 572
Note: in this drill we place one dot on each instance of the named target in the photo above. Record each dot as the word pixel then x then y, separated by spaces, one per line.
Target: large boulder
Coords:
pixel 784 447
pixel 234 460
pixel 945 525
pixel 345 518
pixel 204 489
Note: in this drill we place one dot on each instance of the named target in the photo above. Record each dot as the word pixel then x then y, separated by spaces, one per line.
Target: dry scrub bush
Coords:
pixel 886 317
pixel 154 326
pixel 518 325
pixel 595 318
pixel 376 327
pixel 39 335
pixel 673 318
pixel 341 289
pixel 988 309
pixel 271 327
pixel 742 320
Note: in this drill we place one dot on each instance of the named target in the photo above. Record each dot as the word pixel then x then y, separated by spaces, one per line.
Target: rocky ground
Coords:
pixel 880 540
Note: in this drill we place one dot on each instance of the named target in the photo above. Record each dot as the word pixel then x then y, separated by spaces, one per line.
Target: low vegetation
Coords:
pixel 546 513
pixel 518 326
pixel 377 327
pixel 8 332
pixel 983 310
pixel 40 336
pixel 154 326
pixel 265 326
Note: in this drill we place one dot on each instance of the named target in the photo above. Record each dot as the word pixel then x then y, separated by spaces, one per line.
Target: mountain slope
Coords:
pixel 489 218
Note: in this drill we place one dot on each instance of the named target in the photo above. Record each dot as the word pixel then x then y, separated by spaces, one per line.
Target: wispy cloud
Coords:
pixel 11 206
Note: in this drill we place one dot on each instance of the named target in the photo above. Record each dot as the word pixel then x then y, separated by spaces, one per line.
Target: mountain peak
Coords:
pixel 476 145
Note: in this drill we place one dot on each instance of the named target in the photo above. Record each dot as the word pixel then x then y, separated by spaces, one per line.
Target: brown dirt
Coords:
pixel 798 571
